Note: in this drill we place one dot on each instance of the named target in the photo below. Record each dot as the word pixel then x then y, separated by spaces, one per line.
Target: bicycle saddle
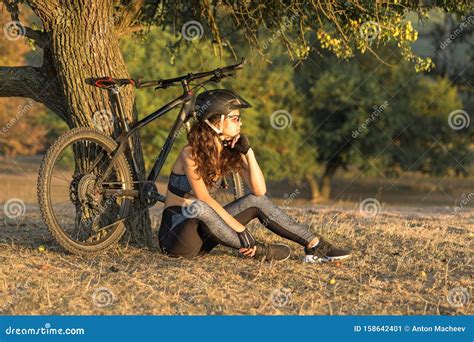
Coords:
pixel 107 82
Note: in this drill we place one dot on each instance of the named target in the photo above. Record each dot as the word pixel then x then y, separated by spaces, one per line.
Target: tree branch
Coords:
pixel 40 38
pixel 131 29
pixel 43 8
pixel 126 15
pixel 32 82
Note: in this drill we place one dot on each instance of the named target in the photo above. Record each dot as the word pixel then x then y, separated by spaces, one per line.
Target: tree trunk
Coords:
pixel 84 45
pixel 321 188
pixel 314 187
pixel 325 186
pixel 325 182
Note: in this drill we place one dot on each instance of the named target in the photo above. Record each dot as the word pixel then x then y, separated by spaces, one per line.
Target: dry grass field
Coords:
pixel 410 260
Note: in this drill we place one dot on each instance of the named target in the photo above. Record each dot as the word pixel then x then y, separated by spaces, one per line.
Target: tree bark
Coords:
pixel 85 46
pixel 321 187
pixel 314 187
pixel 82 43
pixel 325 186
pixel 332 165
pixel 32 82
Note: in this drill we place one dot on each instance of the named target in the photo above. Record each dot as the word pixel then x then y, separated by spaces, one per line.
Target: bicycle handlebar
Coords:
pixel 217 73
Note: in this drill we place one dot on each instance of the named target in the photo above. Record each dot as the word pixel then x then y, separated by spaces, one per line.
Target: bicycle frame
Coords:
pixel 127 132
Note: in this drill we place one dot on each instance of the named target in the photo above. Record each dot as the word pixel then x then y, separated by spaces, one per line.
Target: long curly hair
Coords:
pixel 205 153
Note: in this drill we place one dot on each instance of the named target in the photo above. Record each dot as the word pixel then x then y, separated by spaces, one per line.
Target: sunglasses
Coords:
pixel 234 118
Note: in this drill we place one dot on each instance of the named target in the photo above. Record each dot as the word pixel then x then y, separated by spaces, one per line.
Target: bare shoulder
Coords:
pixel 186 151
pixel 186 155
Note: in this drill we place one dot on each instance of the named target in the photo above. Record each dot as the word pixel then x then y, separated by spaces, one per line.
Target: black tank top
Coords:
pixel 179 185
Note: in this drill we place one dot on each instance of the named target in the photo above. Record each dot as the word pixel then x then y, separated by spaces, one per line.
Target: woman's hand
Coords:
pixel 240 143
pixel 234 140
pixel 248 242
pixel 246 239
pixel 250 252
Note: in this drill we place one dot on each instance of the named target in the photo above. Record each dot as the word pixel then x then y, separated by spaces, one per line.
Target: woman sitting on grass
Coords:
pixel 215 149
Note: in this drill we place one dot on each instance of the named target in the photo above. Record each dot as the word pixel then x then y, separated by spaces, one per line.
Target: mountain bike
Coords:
pixel 86 187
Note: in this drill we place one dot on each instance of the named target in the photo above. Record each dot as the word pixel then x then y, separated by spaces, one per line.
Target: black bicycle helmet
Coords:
pixel 218 102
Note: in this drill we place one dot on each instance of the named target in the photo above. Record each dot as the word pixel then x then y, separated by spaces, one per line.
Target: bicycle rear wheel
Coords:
pixel 83 217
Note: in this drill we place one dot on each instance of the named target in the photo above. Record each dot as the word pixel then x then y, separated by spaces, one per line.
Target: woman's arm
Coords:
pixel 200 189
pixel 253 175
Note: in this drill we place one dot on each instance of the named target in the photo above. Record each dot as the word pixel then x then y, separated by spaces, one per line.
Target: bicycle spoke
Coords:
pixel 85 213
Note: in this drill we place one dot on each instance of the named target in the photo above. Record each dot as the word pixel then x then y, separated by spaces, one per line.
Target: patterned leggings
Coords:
pixel 197 228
